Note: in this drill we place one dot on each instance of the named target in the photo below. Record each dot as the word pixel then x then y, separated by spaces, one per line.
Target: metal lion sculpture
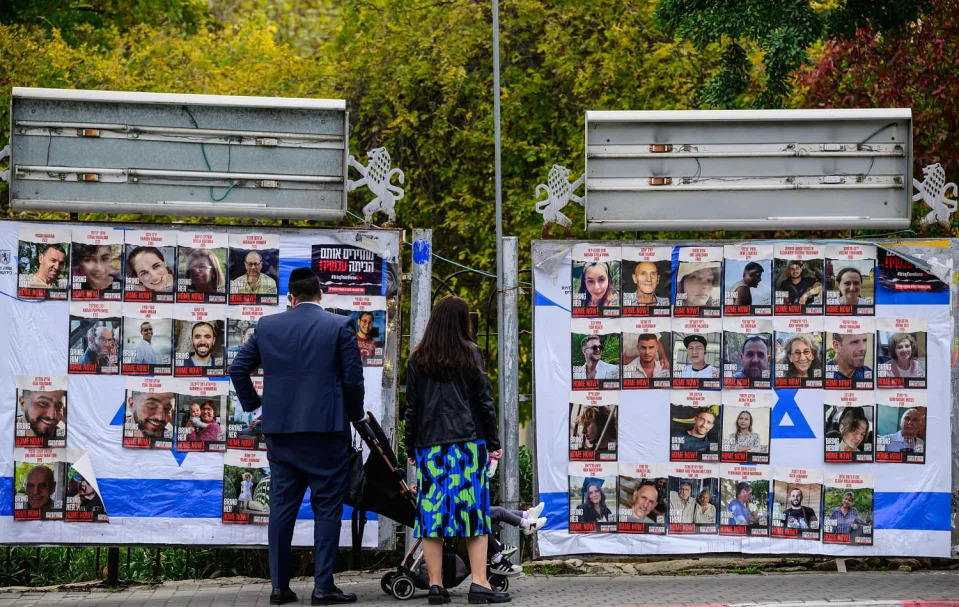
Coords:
pixel 376 177
pixel 932 191
pixel 559 191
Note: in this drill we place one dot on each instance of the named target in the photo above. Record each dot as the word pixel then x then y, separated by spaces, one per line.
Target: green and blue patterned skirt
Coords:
pixel 453 490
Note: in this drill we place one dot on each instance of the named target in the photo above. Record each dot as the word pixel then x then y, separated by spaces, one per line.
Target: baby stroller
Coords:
pixel 387 494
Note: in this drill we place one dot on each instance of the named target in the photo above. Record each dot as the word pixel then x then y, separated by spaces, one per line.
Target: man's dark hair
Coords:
pixel 588 338
pixel 46 246
pixel 754 338
pixel 741 486
pixel 752 265
pixel 646 337
pixel 365 313
pixel 304 285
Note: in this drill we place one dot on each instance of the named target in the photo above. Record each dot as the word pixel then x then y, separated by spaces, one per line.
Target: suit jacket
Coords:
pixel 312 373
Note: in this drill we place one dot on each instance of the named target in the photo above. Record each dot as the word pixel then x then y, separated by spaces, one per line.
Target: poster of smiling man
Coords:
pixel 198 341
pixel 595 352
pixel 39 489
pixel 647 280
pixel 697 353
pixel 41 411
pixel 642 498
pixel 150 412
pixel 43 255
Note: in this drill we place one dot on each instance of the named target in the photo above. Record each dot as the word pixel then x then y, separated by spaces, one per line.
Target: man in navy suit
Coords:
pixel 312 390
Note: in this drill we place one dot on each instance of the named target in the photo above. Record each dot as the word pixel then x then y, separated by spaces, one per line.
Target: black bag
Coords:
pixel 356 481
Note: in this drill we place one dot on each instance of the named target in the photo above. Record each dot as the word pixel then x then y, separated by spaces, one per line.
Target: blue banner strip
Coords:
pixel 542 300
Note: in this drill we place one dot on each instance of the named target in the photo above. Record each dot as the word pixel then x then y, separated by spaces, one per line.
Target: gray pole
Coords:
pixel 508 340
pixel 420 305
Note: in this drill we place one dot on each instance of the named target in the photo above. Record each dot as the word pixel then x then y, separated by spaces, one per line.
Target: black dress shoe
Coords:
pixel 331 596
pixel 481 594
pixel 282 596
pixel 439 595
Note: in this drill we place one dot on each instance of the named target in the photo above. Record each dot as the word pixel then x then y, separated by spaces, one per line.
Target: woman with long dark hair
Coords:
pixel 451 434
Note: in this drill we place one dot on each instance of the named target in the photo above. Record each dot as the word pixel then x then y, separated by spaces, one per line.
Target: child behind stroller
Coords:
pixel 529 521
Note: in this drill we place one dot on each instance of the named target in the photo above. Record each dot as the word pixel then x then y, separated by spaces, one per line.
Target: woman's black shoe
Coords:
pixel 439 595
pixel 480 595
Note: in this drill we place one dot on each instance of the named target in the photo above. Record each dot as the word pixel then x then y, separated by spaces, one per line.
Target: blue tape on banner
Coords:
pixel 6 496
pixel 421 252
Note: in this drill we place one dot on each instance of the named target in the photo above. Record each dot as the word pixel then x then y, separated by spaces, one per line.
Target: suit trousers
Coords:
pixel 320 461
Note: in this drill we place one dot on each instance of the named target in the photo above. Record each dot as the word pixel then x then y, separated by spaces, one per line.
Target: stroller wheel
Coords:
pixel 499 582
pixel 386 582
pixel 402 587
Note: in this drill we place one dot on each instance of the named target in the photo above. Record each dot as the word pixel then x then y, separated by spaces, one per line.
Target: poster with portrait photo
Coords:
pixel 647 351
pixel 149 266
pixel 798 279
pixel 201 415
pixel 697 353
pixel 695 421
pixel 850 353
pixel 745 427
pixel 83 501
pixel 39 487
pixel 349 270
pixel 369 314
pixel 43 256
pixel 592 497
pixel 198 341
pixel 647 282
pixel 848 427
pixel 693 499
pixel 96 268
pixel 797 503
pixel 593 425
pixel 901 352
pixel 95 337
pixel 748 280
pixel 747 352
pixel 901 426
pixel 243 429
pixel 201 267
pixel 850 280
pixel 147 339
pixel 246 488
pixel 744 500
pixel 643 491
pixel 41 420
pixel 595 352
pixel 699 282
pixel 596 280
pixel 800 352
pixel 240 326
pixel 848 509
pixel 148 421
pixel 254 269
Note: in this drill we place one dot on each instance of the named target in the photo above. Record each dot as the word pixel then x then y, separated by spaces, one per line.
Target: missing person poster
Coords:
pixel 95 337
pixel 592 497
pixel 899 275
pixel 848 427
pixel 369 314
pixel 201 267
pixel 83 502
pixel 149 266
pixel 148 421
pixel 246 488
pixel 647 280
pixel 593 425
pixel 147 339
pixel 848 509
pixel 349 270
pixel 699 282
pixel 850 279
pixel 41 420
pixel 595 352
pixel 850 350
pixel 748 280
pixel 901 352
pixel 243 430
pixel 693 498
pixel 240 326
pixel 43 254
pixel 596 280
pixel 694 426
pixel 254 269
pixel 901 426
pixel 697 353
pixel 642 498
pixel 38 484
pixel 96 272
pixel 745 427
pixel 201 415
pixel 798 279
pixel 198 341
pixel 647 350
pixel 797 503
pixel 799 352
pixel 747 352
pixel 744 500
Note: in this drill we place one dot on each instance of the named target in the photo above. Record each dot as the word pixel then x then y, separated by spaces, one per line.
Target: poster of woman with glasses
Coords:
pixel 201 267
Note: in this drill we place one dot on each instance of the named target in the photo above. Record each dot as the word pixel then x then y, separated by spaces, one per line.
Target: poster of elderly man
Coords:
pixel 201 415
pixel 693 498
pixel 254 269
pixel 150 405
pixel 95 338
pixel 647 282
pixel 43 254
pixel 901 426
pixel 848 509
pixel 41 419
pixel 246 488
pixel 39 487
pixel 642 498
pixel 699 282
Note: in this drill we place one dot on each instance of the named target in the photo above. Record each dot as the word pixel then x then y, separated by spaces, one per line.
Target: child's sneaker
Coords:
pixel 534 525
pixel 505 568
pixel 535 511
pixel 508 550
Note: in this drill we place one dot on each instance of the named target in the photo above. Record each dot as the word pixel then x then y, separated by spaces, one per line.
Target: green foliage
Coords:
pixel 611 348
pixel 862 501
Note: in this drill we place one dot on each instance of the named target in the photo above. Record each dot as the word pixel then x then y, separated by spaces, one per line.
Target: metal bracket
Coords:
pixel 5 153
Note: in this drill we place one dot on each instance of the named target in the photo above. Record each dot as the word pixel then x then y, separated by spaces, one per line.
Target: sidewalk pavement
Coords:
pixel 854 589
